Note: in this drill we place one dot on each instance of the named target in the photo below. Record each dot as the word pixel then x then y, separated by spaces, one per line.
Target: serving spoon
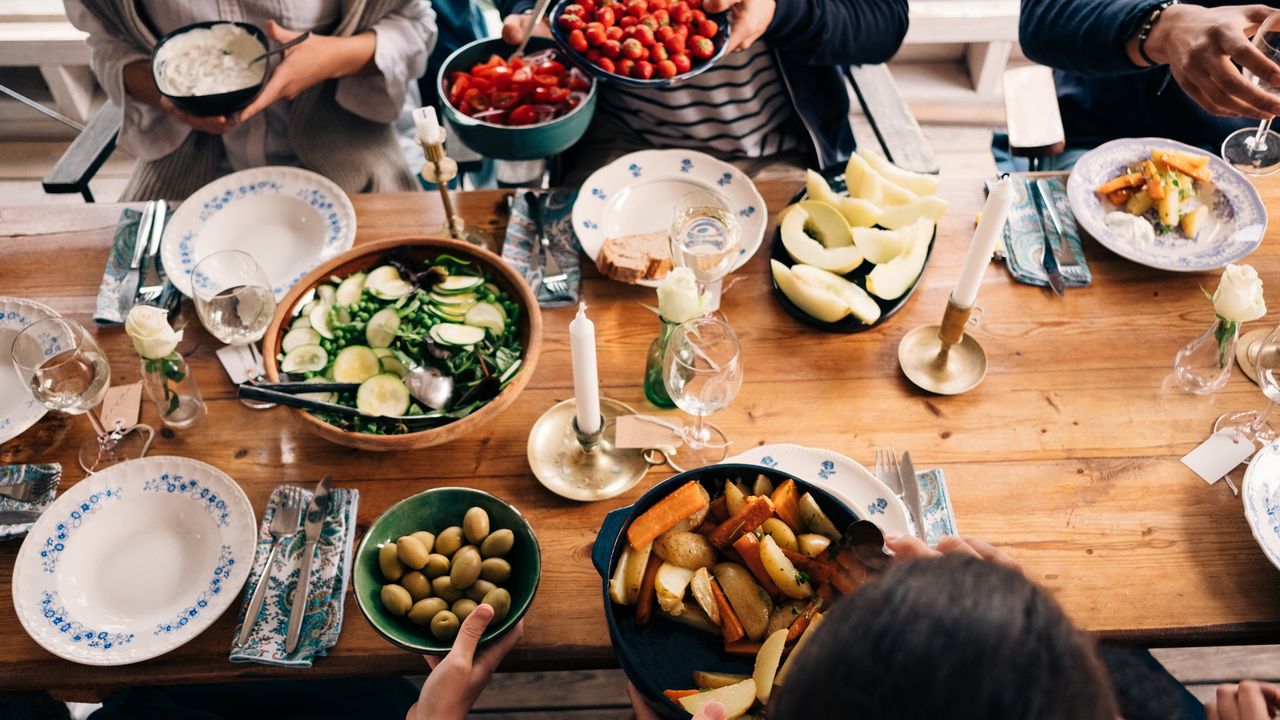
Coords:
pixel 290 399
pixel 539 10
pixel 282 48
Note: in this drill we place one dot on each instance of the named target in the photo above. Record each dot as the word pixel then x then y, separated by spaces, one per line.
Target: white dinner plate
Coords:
pixel 637 193
pixel 134 561
pixel 1261 493
pixel 289 219
pixel 18 408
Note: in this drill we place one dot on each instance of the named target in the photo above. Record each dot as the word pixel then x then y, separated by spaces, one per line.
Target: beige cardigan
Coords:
pixel 358 154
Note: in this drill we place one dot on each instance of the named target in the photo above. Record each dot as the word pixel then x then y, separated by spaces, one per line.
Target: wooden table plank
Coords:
pixel 1066 455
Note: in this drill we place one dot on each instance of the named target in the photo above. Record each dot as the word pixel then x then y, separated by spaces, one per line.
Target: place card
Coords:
pixel 239 362
pixel 1219 455
pixel 643 431
pixel 121 405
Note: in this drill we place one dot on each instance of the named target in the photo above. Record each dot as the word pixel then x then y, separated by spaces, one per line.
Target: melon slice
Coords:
pixel 858 212
pixel 873 186
pixel 804 249
pixel 823 295
pixel 860 304
pixel 918 183
pixel 930 207
pixel 894 278
pixel 826 224
pixel 881 246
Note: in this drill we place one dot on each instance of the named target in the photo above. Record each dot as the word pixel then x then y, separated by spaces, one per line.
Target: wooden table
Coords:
pixel 1066 456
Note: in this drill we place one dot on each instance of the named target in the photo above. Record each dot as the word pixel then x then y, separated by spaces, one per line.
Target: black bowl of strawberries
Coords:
pixel 640 43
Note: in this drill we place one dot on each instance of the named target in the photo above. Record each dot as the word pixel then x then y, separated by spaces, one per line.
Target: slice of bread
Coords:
pixel 632 258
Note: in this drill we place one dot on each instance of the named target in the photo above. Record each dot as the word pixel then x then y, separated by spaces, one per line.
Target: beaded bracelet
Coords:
pixel 1144 31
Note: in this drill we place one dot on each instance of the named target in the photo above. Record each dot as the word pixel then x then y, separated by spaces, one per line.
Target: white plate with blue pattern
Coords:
pixel 134 561
pixel 289 219
pixel 1233 230
pixel 1261 495
pixel 18 408
pixel 637 193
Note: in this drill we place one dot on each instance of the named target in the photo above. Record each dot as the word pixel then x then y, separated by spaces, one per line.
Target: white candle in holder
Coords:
pixel 990 227
pixel 586 381
pixel 428 125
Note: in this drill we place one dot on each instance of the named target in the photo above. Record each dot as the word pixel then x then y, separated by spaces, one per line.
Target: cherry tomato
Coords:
pixel 682 63
pixel 633 50
pixel 701 48
pixel 595 34
pixel 611 49
pixel 666 69
pixel 504 100
pixel 578 41
pixel 615 33
pixel 606 65
pixel 604 16
pixel 475 100
pixel 579 82
pixel 523 115
pixel 548 95
pixel 643 70
pixel 522 77
pixel 550 67
pixel 626 67
pixel 708 28
pixel 499 75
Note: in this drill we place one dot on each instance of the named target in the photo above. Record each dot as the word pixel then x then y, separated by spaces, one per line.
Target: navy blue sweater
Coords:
pixel 1101 93
pixel 812 39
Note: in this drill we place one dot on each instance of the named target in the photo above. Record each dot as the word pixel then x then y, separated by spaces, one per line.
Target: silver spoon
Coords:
pixel 430 387
pixel 867 542
pixel 539 10
pixel 282 48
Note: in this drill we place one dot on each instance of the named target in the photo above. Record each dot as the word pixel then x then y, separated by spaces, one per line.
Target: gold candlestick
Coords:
pixel 943 359
pixel 440 169
pixel 581 466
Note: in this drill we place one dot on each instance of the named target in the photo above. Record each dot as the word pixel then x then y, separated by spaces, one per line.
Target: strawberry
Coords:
pixel 697 17
pixel 633 50
pixel 661 34
pixel 682 62
pixel 643 70
pixel 675 44
pixel 626 67
pixel 681 13
pixel 606 65
pixel 658 53
pixel 628 20
pixel 701 48
pixel 604 16
pixel 637 8
pixel 611 49
pixel 643 34
pixel 588 7
pixel 615 33
pixel 569 23
pixel 594 34
pixel 662 16
pixel 577 40
pixel 708 28
pixel 666 69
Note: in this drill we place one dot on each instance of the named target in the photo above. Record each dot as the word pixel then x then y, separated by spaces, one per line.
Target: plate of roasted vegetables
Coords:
pixel 715 577
pixel 1166 205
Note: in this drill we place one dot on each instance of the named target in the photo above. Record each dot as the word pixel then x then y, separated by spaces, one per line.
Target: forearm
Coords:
pixel 140 84
pixel 1086 37
pixel 839 32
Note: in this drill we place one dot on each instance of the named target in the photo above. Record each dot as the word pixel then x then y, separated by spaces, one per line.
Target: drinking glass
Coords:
pixel 67 372
pixel 702 370
pixel 706 238
pixel 1257 152
pixel 235 303
pixel 1253 424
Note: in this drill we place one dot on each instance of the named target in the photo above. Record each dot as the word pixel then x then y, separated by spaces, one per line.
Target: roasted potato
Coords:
pixel 1167 207
pixel 763 486
pixel 734 497
pixel 748 600
pixel 782 572
pixel 711 680
pixel 804 638
pixel 700 589
pixel 694 520
pixel 781 534
pixel 812 544
pixel 816 520
pixel 685 549
pixel 1139 203
pixel 690 614
pixel 767 661
pixel 784 614
pixel 1191 221
pixel 671 584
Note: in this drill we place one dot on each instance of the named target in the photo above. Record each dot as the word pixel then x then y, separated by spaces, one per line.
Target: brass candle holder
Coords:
pixel 581 466
pixel 441 169
pixel 943 359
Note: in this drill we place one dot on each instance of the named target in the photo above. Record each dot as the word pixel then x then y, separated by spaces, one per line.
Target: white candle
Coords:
pixel 586 382
pixel 990 227
pixel 428 125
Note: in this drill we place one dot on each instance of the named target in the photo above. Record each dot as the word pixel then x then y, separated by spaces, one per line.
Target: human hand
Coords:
pixel 214 125
pixel 1200 45
pixel 750 19
pixel 141 86
pixel 1250 700
pixel 457 679
pixel 513 28
pixel 910 548
pixel 316 59
pixel 713 710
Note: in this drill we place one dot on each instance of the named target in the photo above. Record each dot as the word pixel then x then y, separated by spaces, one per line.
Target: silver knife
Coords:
pixel 133 278
pixel 1064 252
pixel 911 491
pixel 314 524
pixel 157 228
pixel 1050 262
pixel 18 517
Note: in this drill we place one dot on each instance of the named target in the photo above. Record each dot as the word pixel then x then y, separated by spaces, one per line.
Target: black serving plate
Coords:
pixel 218 104
pixel 835 176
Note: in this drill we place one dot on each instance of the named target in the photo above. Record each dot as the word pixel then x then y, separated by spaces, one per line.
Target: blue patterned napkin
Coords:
pixel 1024 239
pixel 14 474
pixel 557 222
pixel 114 300
pixel 329 572
pixel 939 519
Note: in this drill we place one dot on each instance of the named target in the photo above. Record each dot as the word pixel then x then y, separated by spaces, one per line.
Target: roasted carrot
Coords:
pixel 799 624
pixel 748 546
pixel 743 647
pixel 819 570
pixel 719 509
pixel 755 512
pixel 1128 180
pixel 730 625
pixel 844 583
pixel 826 593
pixel 675 695
pixel 1120 197
pixel 1155 184
pixel 644 603
pixel 786 502
pixel 1184 164
pixel 666 514
pixel 706 527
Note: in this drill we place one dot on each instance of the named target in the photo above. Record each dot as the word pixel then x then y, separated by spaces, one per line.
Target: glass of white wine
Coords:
pixel 706 238
pixel 1256 151
pixel 66 371
pixel 702 370
pixel 235 303
pixel 1253 424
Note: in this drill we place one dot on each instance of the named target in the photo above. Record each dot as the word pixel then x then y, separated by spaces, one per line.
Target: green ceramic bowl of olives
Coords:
pixel 431 558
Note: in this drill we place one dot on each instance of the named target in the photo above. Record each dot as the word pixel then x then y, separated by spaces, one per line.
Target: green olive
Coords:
pixel 463 608
pixel 444 589
pixel 500 600
pixel 445 625
pixel 427 539
pixel 498 543
pixel 396 599
pixel 495 570
pixel 475 524
pixel 411 552
pixel 448 542
pixel 389 563
pixel 425 609
pixel 417 584
pixel 479 589
pixel 466 567
pixel 437 565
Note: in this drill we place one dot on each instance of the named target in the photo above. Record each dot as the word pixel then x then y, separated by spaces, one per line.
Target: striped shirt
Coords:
pixel 738 108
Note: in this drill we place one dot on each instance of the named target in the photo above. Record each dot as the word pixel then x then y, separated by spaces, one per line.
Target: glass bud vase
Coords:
pixel 654 387
pixel 1203 365
pixel 173 389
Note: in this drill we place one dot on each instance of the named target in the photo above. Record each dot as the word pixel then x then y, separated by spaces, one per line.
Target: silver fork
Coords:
pixel 554 280
pixel 887 469
pixel 25 491
pixel 151 293
pixel 283 523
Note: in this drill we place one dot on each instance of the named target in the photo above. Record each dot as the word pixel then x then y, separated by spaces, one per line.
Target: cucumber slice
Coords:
pixel 492 289
pixel 446 315
pixel 302 321
pixel 321 396
pixel 326 293
pixel 459 309
pixel 299 337
pixel 382 327
pixel 487 315
pixel 456 335
pixel 392 364
pixel 385 282
pixel 382 395
pixel 455 284
pixel 459 299
pixel 304 358
pixel 319 317
pixel 307 308
pixel 356 363
pixel 348 293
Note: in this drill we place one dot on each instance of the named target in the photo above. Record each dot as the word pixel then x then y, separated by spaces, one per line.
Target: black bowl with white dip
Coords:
pixel 204 69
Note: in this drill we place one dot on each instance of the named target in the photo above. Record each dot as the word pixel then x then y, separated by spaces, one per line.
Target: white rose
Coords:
pixel 153 338
pixel 678 298
pixel 1239 295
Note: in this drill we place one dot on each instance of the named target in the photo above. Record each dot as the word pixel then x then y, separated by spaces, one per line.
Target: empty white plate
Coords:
pixel 18 408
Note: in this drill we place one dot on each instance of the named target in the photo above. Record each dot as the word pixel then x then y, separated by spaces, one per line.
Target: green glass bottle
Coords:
pixel 654 388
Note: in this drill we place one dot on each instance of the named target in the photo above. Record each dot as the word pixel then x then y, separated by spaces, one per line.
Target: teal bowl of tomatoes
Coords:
pixel 509 108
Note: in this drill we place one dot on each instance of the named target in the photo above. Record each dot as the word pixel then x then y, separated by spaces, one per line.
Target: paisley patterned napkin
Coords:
pixel 14 474
pixel 329 572
pixel 939 518
pixel 115 300
pixel 1024 240
pixel 557 222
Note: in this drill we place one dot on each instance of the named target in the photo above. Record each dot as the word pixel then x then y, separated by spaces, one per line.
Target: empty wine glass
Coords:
pixel 66 371
pixel 702 369
pixel 706 238
pixel 1257 151
pixel 1253 424
pixel 235 303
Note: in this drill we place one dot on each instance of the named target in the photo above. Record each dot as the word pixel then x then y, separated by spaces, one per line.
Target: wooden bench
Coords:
pixel 35 33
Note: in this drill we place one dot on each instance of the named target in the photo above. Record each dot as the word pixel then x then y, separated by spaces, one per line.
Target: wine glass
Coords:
pixel 66 371
pixel 702 370
pixel 706 238
pixel 1257 152
pixel 235 303
pixel 1252 424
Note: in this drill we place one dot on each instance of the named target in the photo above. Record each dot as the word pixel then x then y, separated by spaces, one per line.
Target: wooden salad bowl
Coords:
pixel 366 256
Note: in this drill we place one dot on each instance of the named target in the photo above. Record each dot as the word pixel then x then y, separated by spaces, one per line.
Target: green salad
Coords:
pixel 374 327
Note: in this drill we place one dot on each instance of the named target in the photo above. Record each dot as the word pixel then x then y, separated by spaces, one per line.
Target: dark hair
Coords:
pixel 952 637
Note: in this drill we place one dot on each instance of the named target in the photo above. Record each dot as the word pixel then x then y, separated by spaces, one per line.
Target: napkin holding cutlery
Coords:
pixel 116 295
pixel 329 573
pixel 523 253
pixel 939 518
pixel 1024 237
pixel 17 474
